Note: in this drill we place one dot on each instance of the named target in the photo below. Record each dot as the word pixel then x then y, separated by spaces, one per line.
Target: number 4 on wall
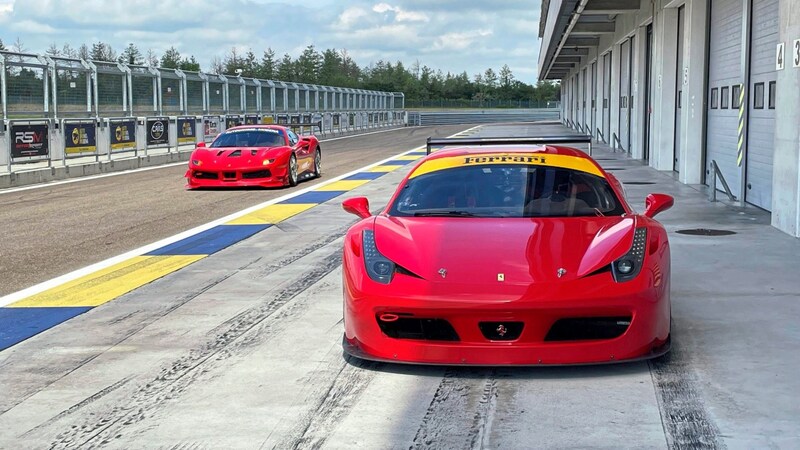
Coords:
pixel 796 59
pixel 779 59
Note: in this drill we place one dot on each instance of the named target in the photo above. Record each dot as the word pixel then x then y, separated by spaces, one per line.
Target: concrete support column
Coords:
pixel 786 165
pixel 614 96
pixel 639 90
pixel 692 78
pixel 665 48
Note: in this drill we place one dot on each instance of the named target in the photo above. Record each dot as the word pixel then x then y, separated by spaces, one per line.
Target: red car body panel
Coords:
pixel 539 273
pixel 244 166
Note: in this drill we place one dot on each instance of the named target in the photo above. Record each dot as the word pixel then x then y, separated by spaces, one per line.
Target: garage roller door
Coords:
pixel 724 71
pixel 761 130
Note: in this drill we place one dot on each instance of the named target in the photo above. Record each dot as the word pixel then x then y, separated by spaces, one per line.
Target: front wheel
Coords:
pixel 292 178
pixel 317 163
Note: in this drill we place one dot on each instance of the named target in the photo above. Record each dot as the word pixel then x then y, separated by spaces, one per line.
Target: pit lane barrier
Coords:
pixel 39 150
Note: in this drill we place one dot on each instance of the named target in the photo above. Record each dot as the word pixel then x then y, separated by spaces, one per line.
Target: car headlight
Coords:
pixel 379 268
pixel 197 162
pixel 267 162
pixel 629 266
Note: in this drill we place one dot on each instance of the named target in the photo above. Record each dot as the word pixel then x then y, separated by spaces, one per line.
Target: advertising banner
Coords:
pixel 187 130
pixel 29 141
pixel 210 127
pixel 157 131
pixel 306 119
pixel 267 120
pixel 232 120
pixel 294 120
pixel 283 119
pixel 335 120
pixel 123 134
pixel 80 137
pixel 351 119
pixel 251 119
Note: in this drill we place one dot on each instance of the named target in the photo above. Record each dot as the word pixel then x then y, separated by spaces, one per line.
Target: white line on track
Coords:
pixel 147 169
pixel 41 287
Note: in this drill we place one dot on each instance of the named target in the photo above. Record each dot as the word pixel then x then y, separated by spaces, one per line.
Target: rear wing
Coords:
pixel 541 140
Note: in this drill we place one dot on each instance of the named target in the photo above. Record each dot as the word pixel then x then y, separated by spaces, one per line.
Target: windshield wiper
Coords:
pixel 443 214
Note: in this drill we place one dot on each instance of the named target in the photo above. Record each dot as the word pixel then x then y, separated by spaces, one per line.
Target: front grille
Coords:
pixel 424 329
pixel 229 175
pixel 588 328
pixel 205 175
pixel 501 331
pixel 258 174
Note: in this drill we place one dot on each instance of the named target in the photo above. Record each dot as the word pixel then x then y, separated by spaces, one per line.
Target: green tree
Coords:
pixel 266 68
pixel 131 55
pixel 285 70
pixel 190 64
pixel 308 65
pixel 102 52
pixel 171 59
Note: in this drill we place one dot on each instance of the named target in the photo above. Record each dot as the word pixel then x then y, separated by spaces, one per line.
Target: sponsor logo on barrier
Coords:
pixel 251 119
pixel 186 130
pixel 30 141
pixel 232 121
pixel 123 136
pixel 210 127
pixel 80 137
pixel 157 132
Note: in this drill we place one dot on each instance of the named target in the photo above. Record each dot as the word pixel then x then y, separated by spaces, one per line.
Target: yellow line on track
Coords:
pixel 107 284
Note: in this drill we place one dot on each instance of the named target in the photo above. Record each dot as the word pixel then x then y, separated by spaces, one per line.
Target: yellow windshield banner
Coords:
pixel 538 159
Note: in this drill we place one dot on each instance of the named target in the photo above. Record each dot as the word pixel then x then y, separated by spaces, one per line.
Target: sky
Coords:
pixel 451 35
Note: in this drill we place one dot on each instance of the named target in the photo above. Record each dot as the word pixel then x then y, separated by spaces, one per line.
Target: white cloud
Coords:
pixel 400 15
pixel 459 41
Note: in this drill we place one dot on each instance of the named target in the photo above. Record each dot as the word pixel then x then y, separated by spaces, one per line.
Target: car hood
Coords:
pixel 236 156
pixel 523 250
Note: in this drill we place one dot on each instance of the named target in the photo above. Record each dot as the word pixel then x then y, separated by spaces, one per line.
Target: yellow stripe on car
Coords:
pixel 538 159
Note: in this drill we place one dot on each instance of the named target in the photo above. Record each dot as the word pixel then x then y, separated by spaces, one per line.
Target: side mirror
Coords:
pixel 358 206
pixel 201 145
pixel 656 203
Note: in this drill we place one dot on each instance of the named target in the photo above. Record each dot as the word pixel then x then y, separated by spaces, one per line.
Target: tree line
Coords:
pixel 330 67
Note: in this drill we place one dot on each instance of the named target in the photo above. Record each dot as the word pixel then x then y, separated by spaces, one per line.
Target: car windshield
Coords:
pixel 265 137
pixel 507 190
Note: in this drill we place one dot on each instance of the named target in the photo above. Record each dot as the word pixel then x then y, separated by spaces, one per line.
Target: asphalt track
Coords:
pixel 50 231
pixel 242 349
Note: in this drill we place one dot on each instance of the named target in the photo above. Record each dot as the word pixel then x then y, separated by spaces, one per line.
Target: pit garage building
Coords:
pixel 688 86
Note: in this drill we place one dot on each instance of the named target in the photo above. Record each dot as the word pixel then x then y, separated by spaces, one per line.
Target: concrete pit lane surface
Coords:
pixel 242 348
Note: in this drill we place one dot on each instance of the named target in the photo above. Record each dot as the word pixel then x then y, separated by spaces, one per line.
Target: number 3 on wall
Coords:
pixel 796 59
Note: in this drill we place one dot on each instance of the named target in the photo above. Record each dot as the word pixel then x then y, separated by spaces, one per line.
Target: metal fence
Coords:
pixel 481 104
pixel 43 87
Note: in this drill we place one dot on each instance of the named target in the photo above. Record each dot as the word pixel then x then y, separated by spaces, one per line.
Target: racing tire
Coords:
pixel 292 178
pixel 317 163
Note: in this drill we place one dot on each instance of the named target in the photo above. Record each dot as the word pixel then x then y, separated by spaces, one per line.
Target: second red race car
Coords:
pixel 255 155
pixel 506 252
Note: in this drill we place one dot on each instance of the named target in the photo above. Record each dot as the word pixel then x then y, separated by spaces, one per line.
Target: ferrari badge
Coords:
pixel 443 272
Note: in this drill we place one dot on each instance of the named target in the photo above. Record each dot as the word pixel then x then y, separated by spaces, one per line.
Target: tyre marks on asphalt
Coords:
pixel 331 402
pixel 461 412
pixel 687 424
pixel 173 380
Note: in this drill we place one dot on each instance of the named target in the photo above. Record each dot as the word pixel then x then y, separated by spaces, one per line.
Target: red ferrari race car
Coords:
pixel 255 155
pixel 498 254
